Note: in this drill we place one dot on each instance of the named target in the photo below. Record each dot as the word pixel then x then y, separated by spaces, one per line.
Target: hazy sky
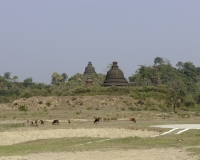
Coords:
pixel 39 37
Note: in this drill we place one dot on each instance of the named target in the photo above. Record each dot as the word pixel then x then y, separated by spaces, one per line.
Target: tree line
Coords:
pixel 182 82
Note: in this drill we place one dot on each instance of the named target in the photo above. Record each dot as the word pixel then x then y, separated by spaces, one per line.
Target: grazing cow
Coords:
pixel 132 120
pixel 55 122
pixel 41 121
pixel 36 122
pixel 96 120
pixel 106 119
pixel 30 122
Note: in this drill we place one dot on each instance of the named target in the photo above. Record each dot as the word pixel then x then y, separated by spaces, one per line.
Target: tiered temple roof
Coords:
pixel 89 69
pixel 115 77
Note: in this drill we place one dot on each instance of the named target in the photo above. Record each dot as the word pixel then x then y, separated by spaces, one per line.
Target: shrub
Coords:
pixel 154 109
pixel 48 104
pixel 189 101
pixel 78 112
pixel 186 115
pixel 22 108
pixel 141 102
pixel 26 94
pixel 40 102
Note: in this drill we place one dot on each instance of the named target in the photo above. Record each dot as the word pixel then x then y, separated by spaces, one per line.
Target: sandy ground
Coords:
pixel 147 154
pixel 13 137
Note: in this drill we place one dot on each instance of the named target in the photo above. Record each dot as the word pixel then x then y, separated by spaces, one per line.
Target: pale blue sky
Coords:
pixel 39 37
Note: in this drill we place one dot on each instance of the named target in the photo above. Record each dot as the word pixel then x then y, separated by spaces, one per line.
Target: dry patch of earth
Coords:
pixel 13 137
pixel 150 154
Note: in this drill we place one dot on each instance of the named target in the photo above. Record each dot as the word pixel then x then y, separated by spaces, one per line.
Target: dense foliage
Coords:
pixel 183 80
pixel 174 87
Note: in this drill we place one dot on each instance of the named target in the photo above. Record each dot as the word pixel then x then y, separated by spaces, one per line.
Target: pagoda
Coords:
pixel 115 77
pixel 89 69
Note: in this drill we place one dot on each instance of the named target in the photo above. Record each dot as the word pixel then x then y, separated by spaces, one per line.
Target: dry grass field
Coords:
pixel 116 139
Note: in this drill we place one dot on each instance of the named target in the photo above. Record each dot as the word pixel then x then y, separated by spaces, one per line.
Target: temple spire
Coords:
pixel 89 69
pixel 115 77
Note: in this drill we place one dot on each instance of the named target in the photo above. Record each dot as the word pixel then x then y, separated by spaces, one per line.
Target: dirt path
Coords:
pixel 150 154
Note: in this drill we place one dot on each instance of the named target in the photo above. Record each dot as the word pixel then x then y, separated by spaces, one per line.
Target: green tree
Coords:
pixel 176 98
pixel 56 78
pixel 180 65
pixel 190 69
pixel 198 71
pixel 7 75
pixel 64 76
pixel 166 61
pixel 108 67
pixel 28 81
pixel 15 78
pixel 158 61
pixel 143 71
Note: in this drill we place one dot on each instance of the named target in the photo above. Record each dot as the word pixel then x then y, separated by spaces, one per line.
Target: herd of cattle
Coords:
pixel 37 121
pixel 107 119
pixel 56 121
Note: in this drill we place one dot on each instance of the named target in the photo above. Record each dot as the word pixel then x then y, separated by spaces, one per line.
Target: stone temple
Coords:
pixel 89 69
pixel 115 77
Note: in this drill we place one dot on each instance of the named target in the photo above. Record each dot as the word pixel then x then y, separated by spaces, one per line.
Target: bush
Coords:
pixel 134 109
pixel 78 112
pixel 73 98
pixel 40 102
pixel 22 108
pixel 182 115
pixel 26 95
pixel 48 104
pixel 189 102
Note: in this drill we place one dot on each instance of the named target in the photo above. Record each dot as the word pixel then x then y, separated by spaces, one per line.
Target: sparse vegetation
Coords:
pixel 73 98
pixel 22 108
pixel 40 102
pixel 78 112
pixel 178 97
pixel 48 104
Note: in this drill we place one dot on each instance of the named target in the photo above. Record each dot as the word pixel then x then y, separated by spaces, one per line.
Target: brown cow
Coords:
pixel 36 122
pixel 31 123
pixel 55 122
pixel 41 121
pixel 105 119
pixel 132 120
